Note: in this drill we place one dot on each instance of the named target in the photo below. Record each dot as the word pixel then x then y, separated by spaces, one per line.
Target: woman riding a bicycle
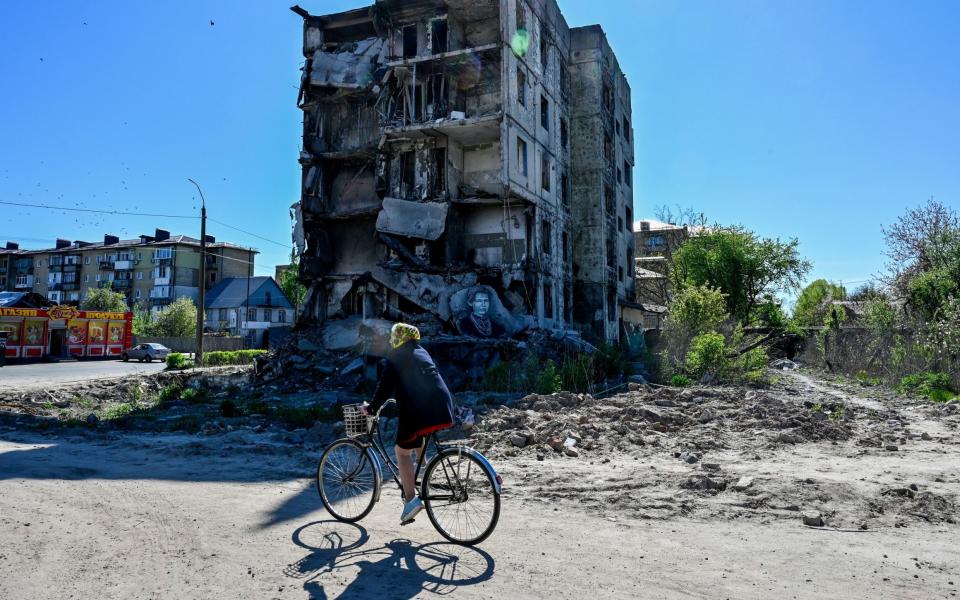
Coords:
pixel 424 403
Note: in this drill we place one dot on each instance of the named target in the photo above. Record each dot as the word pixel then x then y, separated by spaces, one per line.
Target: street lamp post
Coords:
pixel 202 309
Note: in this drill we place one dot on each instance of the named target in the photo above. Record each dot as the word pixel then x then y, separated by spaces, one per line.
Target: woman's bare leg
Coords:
pixel 405 466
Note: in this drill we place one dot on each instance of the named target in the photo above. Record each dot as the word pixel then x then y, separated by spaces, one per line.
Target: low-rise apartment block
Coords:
pixel 151 270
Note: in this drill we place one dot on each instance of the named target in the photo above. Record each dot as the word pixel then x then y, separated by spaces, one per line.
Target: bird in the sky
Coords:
pixel 211 23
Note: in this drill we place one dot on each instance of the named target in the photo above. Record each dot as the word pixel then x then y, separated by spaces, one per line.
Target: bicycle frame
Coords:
pixel 374 443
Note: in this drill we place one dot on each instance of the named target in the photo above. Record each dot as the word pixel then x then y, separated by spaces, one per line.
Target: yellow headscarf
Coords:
pixel 401 333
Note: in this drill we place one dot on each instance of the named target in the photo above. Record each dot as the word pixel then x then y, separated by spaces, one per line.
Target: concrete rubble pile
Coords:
pixel 725 452
pixel 699 419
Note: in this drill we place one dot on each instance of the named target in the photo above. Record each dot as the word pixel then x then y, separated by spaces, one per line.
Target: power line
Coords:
pixel 249 233
pixel 137 214
pixel 91 210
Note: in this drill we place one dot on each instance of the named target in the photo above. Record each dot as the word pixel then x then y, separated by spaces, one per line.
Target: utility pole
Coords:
pixel 202 309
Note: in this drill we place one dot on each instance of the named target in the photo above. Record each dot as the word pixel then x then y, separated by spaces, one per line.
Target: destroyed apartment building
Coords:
pixel 457 147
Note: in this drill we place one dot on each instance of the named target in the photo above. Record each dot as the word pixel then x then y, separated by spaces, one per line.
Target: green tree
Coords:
pixel 814 302
pixel 694 311
pixel 289 282
pixel 142 320
pixel 104 299
pixel 748 269
pixel 177 320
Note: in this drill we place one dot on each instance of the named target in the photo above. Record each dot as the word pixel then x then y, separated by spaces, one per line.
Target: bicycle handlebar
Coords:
pixel 383 406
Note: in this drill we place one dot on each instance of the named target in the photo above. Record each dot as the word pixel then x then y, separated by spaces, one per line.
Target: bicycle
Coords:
pixel 460 489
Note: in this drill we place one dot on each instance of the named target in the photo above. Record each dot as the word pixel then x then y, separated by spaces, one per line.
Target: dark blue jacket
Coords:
pixel 424 403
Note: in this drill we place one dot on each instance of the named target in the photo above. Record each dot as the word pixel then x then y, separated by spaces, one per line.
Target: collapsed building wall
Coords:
pixel 437 160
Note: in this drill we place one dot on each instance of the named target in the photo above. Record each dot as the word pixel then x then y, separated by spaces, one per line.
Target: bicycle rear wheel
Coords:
pixel 461 497
pixel 347 481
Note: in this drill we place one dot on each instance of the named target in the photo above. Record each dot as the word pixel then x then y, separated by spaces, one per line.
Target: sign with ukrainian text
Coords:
pixel 19 312
pixel 63 311
pixel 106 316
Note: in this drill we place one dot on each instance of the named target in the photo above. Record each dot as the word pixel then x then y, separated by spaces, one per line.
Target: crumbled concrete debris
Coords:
pixel 742 484
pixel 812 519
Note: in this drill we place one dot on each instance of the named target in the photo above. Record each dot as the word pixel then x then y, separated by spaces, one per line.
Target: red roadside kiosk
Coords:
pixel 61 331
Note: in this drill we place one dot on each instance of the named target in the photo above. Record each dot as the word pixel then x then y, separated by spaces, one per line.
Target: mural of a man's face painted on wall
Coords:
pixel 480 303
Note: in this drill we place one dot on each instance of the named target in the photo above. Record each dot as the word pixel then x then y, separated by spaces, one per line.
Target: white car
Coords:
pixel 146 352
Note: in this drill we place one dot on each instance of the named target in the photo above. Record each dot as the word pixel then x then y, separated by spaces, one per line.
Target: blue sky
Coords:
pixel 817 119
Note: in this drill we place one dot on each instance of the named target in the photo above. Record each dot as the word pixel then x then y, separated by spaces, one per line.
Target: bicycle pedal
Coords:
pixel 407 522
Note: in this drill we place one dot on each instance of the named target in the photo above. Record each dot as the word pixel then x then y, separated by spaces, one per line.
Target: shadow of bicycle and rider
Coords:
pixel 399 569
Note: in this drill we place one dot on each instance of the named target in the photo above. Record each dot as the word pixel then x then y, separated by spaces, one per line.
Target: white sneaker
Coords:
pixel 410 510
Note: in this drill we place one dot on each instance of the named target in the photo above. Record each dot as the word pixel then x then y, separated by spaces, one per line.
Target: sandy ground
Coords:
pixel 93 514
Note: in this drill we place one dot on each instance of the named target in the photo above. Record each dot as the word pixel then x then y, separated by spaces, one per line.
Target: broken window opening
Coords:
pixel 521 16
pixel 565 190
pixel 545 173
pixel 544 52
pixel 436 97
pixel 545 113
pixel 620 224
pixel 626 129
pixel 607 147
pixel 521 86
pixel 619 175
pixel 440 172
pixel 567 302
pixel 612 307
pixel 609 200
pixel 564 241
pixel 408 164
pixel 438 35
pixel 410 41
pixel 547 301
pixel 522 156
pixel 563 133
pixel 628 212
pixel 546 239
pixel 627 174
pixel 620 274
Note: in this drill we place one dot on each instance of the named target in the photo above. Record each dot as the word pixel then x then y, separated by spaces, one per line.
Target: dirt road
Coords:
pixel 115 515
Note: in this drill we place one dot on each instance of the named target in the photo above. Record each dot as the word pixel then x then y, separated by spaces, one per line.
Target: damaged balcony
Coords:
pixel 457 95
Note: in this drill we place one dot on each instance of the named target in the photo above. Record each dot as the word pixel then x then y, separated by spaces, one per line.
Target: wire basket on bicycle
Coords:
pixel 355 422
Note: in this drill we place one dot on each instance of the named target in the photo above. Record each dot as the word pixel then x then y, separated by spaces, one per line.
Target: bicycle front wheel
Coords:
pixel 347 481
pixel 461 497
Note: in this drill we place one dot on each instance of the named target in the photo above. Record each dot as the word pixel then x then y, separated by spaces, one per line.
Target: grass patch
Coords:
pixel 176 360
pixel 232 357
pixel 118 411
pixel 864 379
pixel 935 386
pixel 679 381
pixel 171 392
pixel 194 396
